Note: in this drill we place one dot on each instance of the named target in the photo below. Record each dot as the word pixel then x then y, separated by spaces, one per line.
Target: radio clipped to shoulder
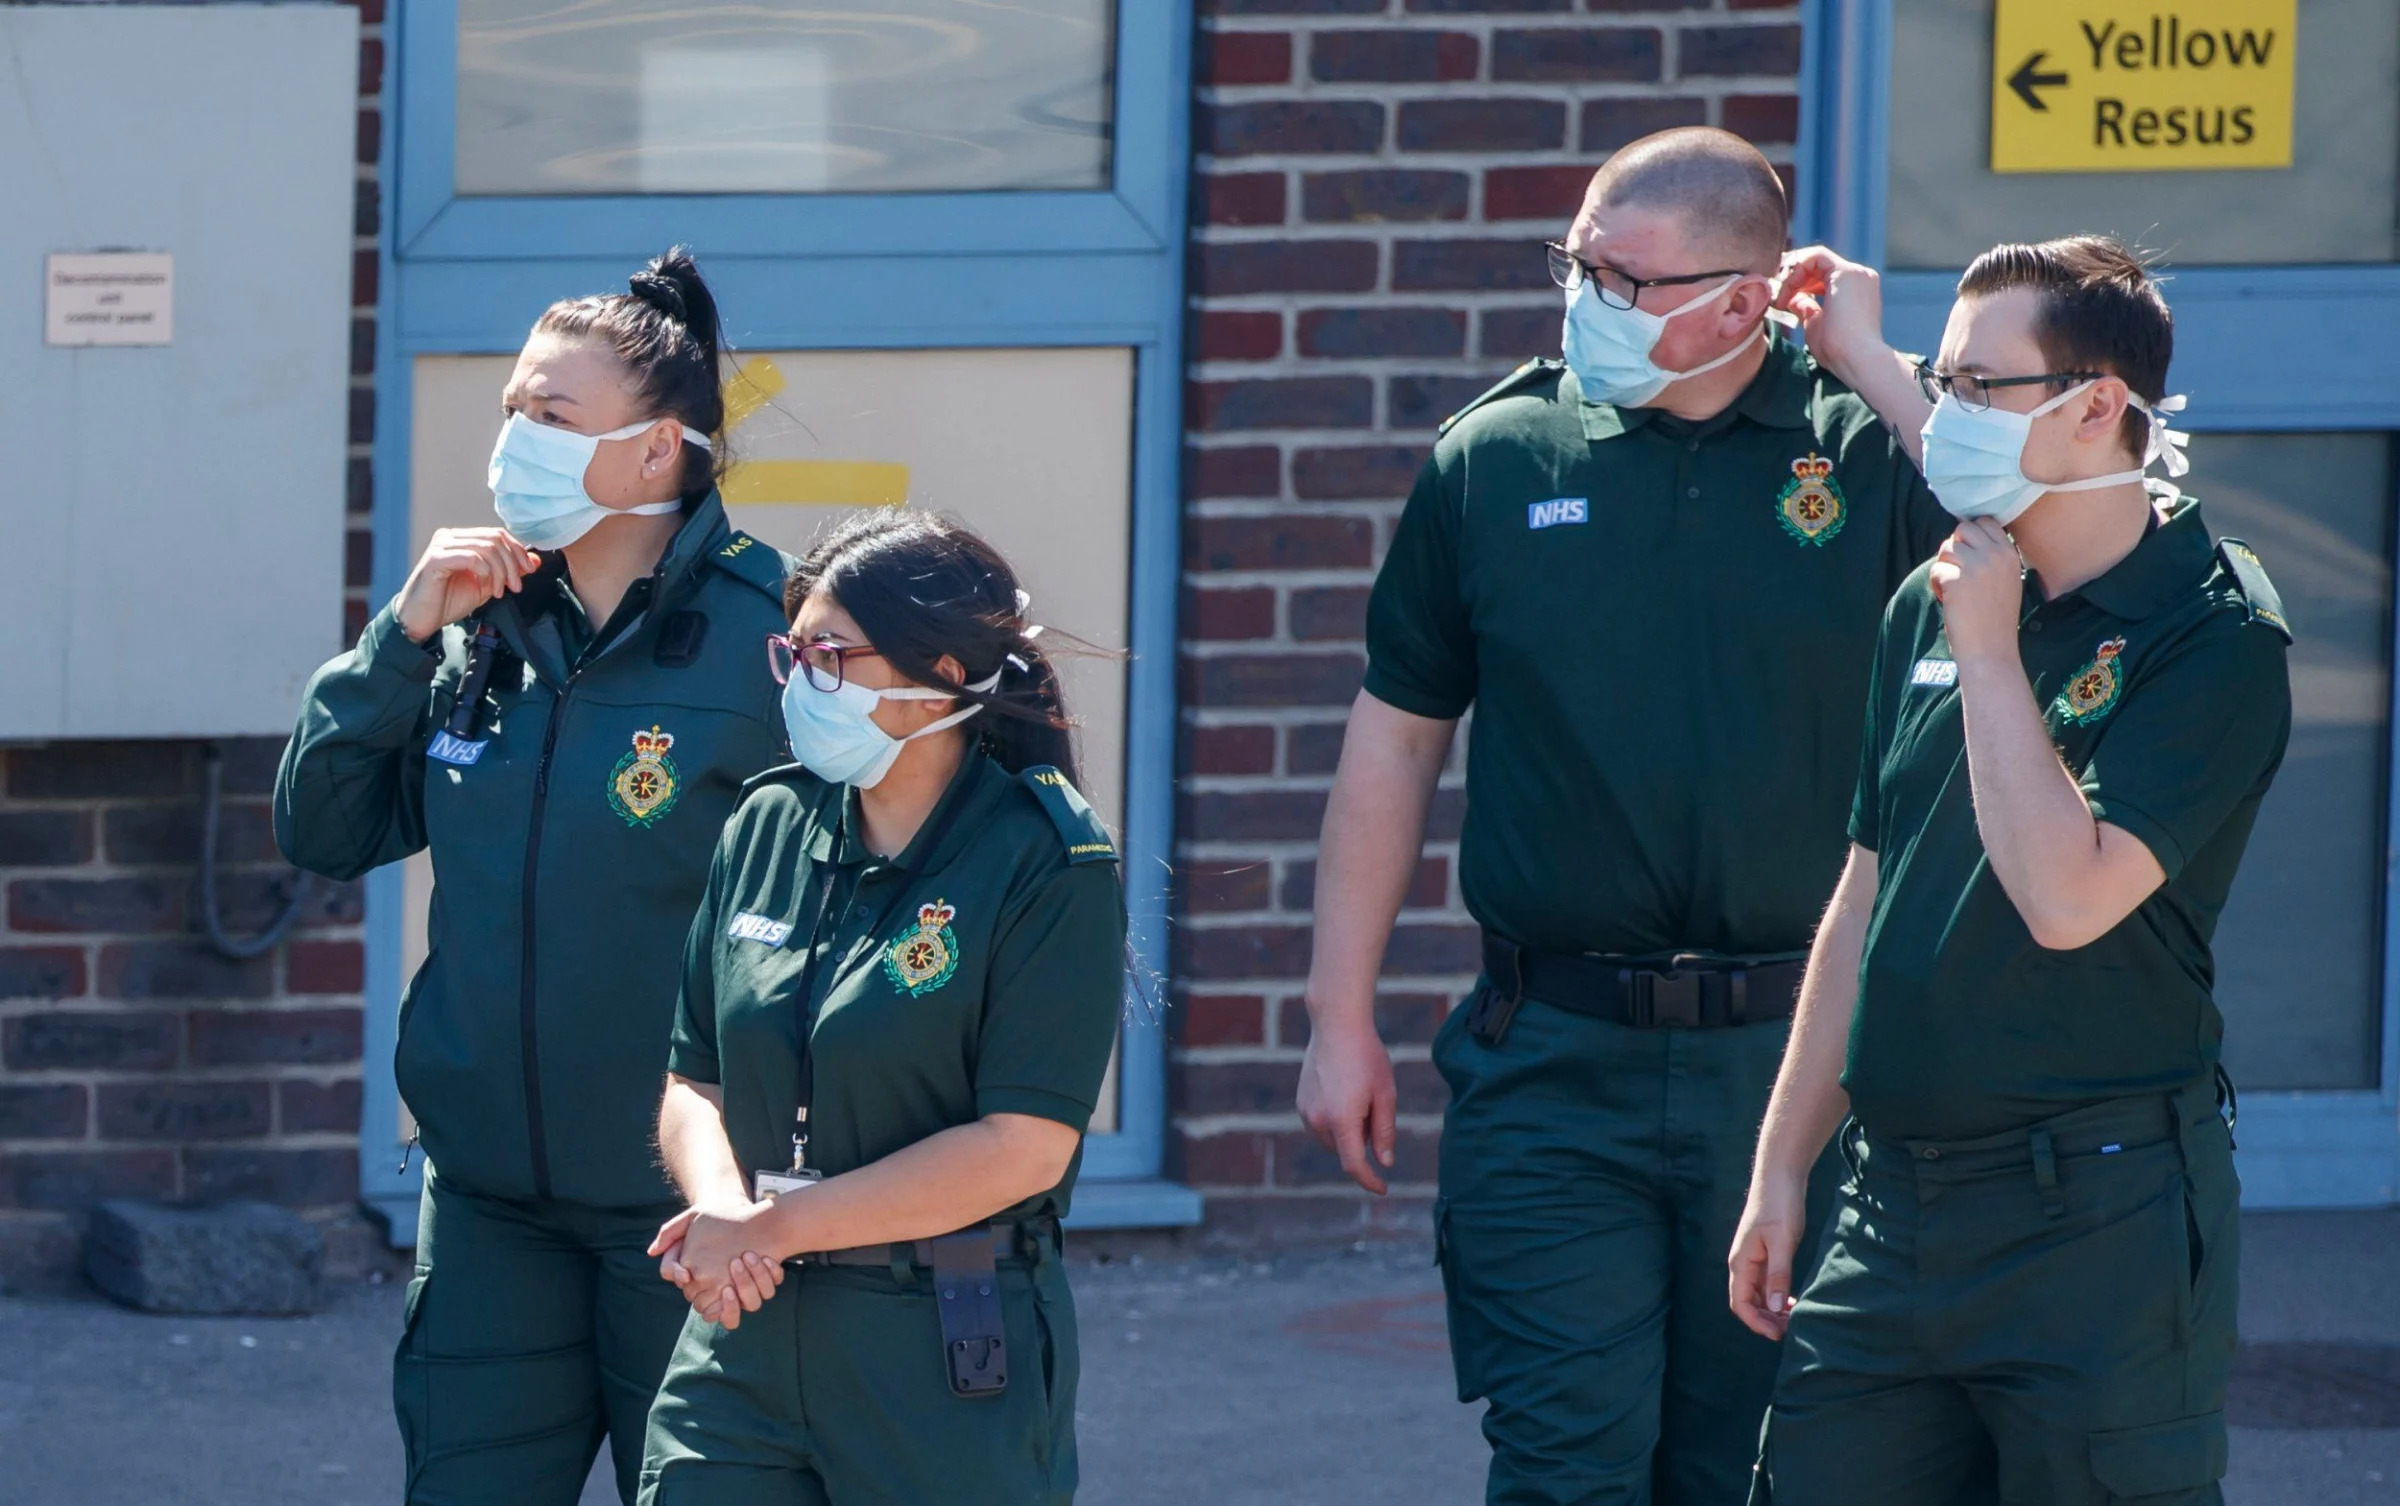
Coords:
pixel 460 742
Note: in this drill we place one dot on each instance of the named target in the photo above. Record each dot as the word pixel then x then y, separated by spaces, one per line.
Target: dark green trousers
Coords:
pixel 1592 1176
pixel 533 1331
pixel 837 1391
pixel 2043 1318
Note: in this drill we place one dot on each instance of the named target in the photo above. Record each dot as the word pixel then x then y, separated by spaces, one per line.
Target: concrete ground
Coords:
pixel 1298 1380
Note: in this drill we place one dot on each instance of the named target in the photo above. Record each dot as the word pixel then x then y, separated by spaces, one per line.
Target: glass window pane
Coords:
pixel 2339 201
pixel 2300 953
pixel 782 96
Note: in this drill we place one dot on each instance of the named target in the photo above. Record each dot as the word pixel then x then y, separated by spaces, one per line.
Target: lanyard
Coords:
pixel 807 1003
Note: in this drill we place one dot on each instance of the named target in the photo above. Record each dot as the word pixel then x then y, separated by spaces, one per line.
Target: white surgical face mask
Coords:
pixel 536 478
pixel 1975 459
pixel 834 734
pixel 1608 348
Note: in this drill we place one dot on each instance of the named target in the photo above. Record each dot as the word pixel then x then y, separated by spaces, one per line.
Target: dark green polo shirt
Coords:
pixel 2164 686
pixel 981 976
pixel 1664 629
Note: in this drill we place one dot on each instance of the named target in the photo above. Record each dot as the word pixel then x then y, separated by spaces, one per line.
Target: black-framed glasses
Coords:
pixel 1617 289
pixel 820 662
pixel 1974 393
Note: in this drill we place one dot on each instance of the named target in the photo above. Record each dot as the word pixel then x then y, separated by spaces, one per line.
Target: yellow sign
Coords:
pixel 2128 86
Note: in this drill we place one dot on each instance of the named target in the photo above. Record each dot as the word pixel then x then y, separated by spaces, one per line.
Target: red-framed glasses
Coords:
pixel 820 662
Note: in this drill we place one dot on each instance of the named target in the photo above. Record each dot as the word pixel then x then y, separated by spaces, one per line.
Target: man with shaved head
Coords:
pixel 1655 570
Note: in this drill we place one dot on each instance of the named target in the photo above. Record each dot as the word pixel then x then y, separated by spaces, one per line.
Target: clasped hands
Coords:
pixel 721 1255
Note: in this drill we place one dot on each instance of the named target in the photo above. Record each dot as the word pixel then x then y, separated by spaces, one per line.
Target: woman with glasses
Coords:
pixel 562 708
pixel 899 1000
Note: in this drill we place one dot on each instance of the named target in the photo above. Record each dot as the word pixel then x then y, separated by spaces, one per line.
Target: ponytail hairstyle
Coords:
pixel 664 331
pixel 920 586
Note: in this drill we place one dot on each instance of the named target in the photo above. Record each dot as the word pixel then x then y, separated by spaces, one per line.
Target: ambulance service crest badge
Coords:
pixel 922 960
pixel 1810 506
pixel 2093 690
pixel 644 784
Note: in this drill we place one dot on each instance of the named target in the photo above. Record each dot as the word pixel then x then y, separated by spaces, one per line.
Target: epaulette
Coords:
pixel 782 773
pixel 2258 592
pixel 761 565
pixel 1524 375
pixel 1086 840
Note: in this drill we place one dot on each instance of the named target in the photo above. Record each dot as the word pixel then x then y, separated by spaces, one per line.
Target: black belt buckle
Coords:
pixel 966 1285
pixel 1494 1006
pixel 1654 999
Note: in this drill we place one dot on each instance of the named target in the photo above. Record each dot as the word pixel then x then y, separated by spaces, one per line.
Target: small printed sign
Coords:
pixel 110 298
pixel 2083 86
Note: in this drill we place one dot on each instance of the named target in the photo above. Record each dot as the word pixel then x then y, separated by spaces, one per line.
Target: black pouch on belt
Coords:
pixel 966 1284
pixel 1493 1006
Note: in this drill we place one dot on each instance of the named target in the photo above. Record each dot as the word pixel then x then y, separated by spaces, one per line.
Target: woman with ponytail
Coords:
pixel 563 709
pixel 898 1004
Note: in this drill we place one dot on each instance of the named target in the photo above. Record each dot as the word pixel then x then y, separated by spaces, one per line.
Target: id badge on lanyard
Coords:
pixel 765 1185
pixel 770 1184
pixel 800 1175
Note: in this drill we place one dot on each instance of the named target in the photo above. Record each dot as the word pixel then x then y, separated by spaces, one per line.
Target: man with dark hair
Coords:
pixel 2028 1294
pixel 1654 570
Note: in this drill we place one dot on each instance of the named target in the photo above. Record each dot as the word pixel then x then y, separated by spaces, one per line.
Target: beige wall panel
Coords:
pixel 1031 448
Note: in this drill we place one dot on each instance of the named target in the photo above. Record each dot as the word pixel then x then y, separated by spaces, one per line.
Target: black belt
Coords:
pixel 966 1288
pixel 1019 1242
pixel 1686 991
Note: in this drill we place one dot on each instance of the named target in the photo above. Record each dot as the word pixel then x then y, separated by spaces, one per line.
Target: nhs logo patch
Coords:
pixel 758 928
pixel 455 750
pixel 1556 511
pixel 1935 672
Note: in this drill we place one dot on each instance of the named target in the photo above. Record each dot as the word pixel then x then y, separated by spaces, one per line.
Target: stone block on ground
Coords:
pixel 240 1257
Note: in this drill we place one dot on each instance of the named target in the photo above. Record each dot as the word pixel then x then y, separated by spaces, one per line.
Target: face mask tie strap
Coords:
pixel 983 686
pixel 1029 632
pixel 691 435
pixel 2164 444
pixel 1756 334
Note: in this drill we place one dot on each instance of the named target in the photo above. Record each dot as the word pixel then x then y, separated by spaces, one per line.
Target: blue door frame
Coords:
pixel 879 272
pixel 2260 348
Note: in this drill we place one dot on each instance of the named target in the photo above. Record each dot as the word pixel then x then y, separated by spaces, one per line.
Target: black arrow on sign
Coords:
pixel 2025 80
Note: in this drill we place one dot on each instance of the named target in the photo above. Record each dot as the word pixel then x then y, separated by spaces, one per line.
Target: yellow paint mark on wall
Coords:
pixel 800 483
pixel 750 389
pixel 818 483
pixel 755 383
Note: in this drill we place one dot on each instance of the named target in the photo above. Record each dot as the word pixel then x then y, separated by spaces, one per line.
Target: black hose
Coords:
pixel 210 919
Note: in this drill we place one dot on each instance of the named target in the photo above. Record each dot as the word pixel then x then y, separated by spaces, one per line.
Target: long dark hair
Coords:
pixel 920 586
pixel 665 330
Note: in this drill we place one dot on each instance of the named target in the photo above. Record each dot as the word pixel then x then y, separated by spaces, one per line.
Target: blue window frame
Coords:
pixel 465 276
pixel 2261 349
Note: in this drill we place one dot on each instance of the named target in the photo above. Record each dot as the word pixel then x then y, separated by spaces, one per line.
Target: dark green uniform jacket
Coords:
pixel 980 972
pixel 567 856
pixel 1665 629
pixel 2164 685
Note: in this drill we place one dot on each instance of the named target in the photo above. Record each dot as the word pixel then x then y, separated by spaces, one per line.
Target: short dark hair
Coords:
pixel 1727 194
pixel 664 329
pixel 2100 310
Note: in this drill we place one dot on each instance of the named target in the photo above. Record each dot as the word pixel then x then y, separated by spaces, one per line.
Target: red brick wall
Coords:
pixel 135 1061
pixel 1370 180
